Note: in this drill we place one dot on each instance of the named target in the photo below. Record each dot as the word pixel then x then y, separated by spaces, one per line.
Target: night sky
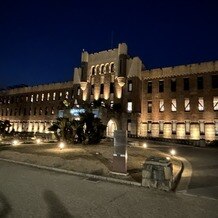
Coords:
pixel 41 41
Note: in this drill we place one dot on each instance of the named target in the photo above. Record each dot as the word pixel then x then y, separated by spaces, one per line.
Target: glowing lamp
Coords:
pixel 145 145
pixel 61 145
pixel 173 152
pixel 38 141
pixel 15 142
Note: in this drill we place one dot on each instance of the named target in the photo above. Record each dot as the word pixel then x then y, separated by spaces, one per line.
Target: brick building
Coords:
pixel 173 102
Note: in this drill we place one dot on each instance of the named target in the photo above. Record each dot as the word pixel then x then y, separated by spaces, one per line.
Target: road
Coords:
pixel 204 165
pixel 31 192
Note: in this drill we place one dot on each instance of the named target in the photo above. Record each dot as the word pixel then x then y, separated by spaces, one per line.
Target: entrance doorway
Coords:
pixel 111 126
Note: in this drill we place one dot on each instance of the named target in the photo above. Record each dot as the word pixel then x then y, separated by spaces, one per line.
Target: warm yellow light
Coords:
pixel 145 145
pixel 173 152
pixel 15 142
pixel 168 158
pixel 61 145
pixel 38 141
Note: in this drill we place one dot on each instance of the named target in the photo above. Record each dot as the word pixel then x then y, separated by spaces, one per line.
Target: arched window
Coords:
pixel 102 69
pixel 112 68
pixel 97 69
pixel 93 71
pixel 107 68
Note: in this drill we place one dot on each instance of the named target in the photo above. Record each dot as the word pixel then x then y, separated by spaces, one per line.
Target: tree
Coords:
pixel 93 128
pixel 87 130
pixel 64 129
pixel 4 126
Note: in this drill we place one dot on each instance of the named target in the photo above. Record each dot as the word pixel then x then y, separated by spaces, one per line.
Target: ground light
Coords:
pixel 15 142
pixel 61 145
pixel 173 152
pixel 38 141
pixel 145 145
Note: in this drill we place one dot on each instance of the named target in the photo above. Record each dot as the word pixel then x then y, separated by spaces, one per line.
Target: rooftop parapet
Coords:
pixel 181 70
pixel 39 88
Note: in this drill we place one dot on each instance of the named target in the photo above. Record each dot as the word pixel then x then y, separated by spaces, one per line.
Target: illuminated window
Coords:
pixel 173 105
pixel 161 105
pixel 187 104
pixel 48 96
pixel 201 104
pixel 31 98
pixel 60 95
pixel 78 91
pixel 173 127
pixel 37 97
pixel 215 103
pixel 161 127
pixel 149 109
pixel 102 103
pixel 201 127
pixel 130 86
pixel 149 126
pixel 67 95
pixel 43 96
pixel 54 96
pixel 187 127
pixel 27 98
pixel 129 106
pixel 111 104
pixel 149 87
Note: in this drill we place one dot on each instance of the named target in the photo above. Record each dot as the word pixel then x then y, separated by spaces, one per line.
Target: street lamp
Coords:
pixel 61 145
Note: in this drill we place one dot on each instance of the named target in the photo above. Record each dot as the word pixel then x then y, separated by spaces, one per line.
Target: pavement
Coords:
pixel 31 192
pixel 200 174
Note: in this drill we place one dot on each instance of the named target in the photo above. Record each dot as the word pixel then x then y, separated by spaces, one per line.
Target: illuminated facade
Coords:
pixel 173 102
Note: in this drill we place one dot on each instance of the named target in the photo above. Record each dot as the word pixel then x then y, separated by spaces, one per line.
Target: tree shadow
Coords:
pixel 55 208
pixel 6 208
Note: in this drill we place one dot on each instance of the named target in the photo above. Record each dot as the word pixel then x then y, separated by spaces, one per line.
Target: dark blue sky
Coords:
pixel 41 41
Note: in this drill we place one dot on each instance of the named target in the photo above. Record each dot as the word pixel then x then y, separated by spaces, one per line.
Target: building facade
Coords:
pixel 173 102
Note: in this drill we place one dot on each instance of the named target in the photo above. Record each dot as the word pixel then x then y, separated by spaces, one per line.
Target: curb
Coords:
pixel 177 177
pixel 102 178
